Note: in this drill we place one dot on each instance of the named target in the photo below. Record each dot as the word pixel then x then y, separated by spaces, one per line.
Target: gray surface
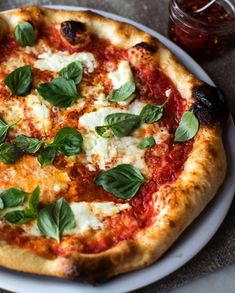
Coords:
pixel 221 280
pixel 153 13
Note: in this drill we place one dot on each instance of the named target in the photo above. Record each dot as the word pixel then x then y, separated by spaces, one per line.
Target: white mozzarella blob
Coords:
pixel 104 153
pixel 58 60
pixel 84 218
pixel 122 75
pixel 90 215
pixel 93 119
pixel 38 112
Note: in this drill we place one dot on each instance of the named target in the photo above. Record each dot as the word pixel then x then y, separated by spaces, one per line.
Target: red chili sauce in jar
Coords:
pixel 203 34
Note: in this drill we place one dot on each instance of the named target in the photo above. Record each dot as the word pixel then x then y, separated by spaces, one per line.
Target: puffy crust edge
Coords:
pixel 200 179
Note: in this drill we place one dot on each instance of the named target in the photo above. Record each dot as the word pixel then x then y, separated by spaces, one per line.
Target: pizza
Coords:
pixel 109 147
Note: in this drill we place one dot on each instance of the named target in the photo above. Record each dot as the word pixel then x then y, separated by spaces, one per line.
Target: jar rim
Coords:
pixel 188 20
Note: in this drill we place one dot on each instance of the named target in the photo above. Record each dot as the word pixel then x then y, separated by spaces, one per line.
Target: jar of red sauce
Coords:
pixel 203 35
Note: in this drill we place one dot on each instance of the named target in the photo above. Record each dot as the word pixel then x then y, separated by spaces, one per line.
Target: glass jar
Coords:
pixel 203 35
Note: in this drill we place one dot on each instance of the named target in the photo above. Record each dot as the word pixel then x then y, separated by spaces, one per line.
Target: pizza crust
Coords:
pixel 203 173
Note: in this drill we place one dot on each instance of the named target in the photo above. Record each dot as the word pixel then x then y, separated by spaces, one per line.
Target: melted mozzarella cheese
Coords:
pixel 122 75
pixel 93 119
pixel 58 60
pixel 104 153
pixel 84 218
pixel 87 216
pixel 38 112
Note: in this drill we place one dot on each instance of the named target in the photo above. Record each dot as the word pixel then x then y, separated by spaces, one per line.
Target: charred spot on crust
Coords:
pixel 74 32
pixel 142 52
pixel 146 46
pixel 4 29
pixel 210 105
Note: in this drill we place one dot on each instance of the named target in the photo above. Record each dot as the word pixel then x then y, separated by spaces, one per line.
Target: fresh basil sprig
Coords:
pixel 20 81
pixel 73 71
pixel 4 127
pixel 56 218
pixel 146 143
pixel 25 34
pixel 9 153
pixel 188 127
pixel 123 93
pixel 67 141
pixel 121 124
pixel 151 113
pixel 27 144
pixel 28 214
pixel 59 92
pixel 12 197
pixel 122 181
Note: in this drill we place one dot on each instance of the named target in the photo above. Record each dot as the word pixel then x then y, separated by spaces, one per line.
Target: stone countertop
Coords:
pixel 154 14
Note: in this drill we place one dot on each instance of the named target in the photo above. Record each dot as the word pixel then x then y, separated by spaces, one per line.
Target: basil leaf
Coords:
pixel 68 141
pixel 59 92
pixel 123 93
pixel 27 144
pixel 17 217
pixel 146 143
pixel 151 113
pixel 34 201
pixel 56 218
pixel 9 153
pixel 20 81
pixel 4 127
pixel 12 197
pixel 122 181
pixel 188 127
pixel 47 156
pixel 73 71
pixel 25 34
pixel 121 124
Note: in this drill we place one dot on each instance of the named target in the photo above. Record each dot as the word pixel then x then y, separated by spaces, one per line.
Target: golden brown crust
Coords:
pixel 203 172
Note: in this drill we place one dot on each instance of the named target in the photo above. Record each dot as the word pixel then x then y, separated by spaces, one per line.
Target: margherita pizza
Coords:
pixel 109 148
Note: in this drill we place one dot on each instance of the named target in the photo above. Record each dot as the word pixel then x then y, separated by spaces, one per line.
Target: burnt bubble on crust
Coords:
pixel 146 46
pixel 210 105
pixel 4 29
pixel 75 32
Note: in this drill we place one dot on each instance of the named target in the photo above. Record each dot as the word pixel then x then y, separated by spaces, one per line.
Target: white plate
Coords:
pixel 189 244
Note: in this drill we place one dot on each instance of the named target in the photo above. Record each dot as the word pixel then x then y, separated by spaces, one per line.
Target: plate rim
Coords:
pixel 139 274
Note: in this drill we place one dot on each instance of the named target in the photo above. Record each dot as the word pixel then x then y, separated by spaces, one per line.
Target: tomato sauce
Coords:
pixel 8 47
pixel 153 85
